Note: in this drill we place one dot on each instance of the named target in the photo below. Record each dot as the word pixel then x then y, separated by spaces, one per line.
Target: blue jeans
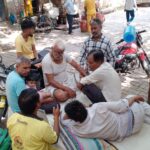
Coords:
pixel 70 22
pixel 130 15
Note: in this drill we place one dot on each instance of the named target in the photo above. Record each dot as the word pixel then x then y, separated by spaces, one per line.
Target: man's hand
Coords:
pixel 70 92
pixel 56 112
pixel 78 68
pixel 79 86
pixel 138 99
pixel 135 99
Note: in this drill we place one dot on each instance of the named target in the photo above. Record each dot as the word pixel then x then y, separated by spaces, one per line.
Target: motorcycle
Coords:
pixel 130 56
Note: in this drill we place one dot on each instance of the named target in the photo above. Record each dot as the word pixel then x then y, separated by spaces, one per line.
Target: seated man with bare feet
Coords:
pixel 54 67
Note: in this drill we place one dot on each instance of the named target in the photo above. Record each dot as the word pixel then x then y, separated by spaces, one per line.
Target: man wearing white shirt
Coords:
pixel 107 120
pixel 103 76
pixel 69 6
pixel 129 8
pixel 54 66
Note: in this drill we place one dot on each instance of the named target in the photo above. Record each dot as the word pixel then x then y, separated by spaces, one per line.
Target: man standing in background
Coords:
pixel 129 8
pixel 69 6
pixel 90 10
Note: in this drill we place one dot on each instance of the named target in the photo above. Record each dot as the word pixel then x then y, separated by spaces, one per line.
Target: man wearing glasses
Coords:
pixel 54 67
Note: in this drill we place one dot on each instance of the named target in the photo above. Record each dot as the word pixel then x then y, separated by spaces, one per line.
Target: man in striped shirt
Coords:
pixel 97 42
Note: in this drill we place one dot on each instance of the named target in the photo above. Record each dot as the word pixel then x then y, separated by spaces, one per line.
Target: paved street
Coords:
pixel 135 83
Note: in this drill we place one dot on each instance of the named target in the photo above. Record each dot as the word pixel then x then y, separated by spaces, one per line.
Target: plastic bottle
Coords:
pixel 129 34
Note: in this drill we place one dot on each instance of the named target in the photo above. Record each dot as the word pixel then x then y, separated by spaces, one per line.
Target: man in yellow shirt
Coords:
pixel 27 130
pixel 25 43
pixel 90 9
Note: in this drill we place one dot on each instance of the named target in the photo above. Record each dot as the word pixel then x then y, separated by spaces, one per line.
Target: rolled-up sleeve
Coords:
pixel 94 77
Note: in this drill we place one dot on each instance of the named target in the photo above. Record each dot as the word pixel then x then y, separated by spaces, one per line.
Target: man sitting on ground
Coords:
pixel 107 120
pixel 25 42
pixel 54 67
pixel 103 76
pixel 15 82
pixel 97 42
pixel 27 130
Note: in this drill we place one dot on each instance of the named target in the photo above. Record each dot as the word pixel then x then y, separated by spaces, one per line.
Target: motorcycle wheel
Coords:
pixel 146 67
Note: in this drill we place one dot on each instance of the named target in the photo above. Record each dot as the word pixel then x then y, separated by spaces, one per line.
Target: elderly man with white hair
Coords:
pixel 54 67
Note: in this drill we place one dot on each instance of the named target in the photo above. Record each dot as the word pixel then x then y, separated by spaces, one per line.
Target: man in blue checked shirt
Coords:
pixel 97 42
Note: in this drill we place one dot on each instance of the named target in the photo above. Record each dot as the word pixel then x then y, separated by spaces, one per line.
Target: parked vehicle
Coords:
pixel 130 56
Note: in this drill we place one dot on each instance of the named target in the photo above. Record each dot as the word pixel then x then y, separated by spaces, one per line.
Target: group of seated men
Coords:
pixel 112 120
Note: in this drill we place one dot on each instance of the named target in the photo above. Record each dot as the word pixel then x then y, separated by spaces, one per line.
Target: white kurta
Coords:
pixel 109 120
pixel 107 79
